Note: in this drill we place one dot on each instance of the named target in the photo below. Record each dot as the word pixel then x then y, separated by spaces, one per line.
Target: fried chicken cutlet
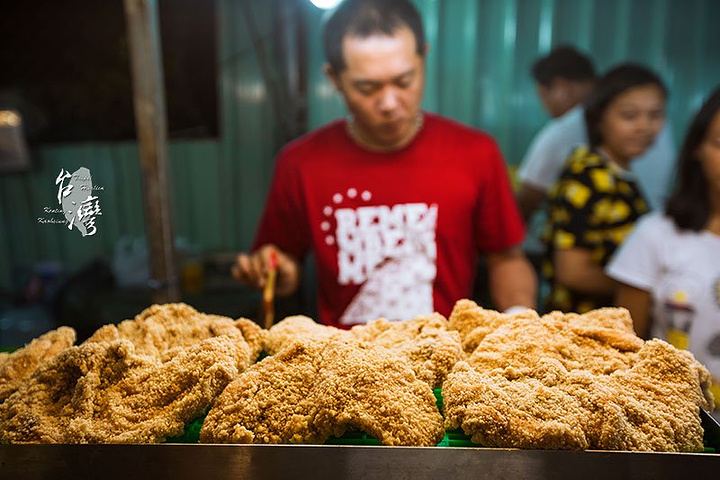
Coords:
pixel 315 389
pixel 165 330
pixel 298 327
pixel 104 392
pixel 16 367
pixel 424 342
pixel 568 381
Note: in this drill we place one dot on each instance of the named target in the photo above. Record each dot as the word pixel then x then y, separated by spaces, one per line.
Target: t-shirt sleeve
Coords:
pixel 637 261
pixel 284 220
pixel 571 211
pixel 498 223
pixel 542 163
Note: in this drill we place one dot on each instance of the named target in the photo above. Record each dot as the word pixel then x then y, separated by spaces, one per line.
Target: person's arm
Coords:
pixel 543 161
pixel 578 271
pixel 529 198
pixel 638 268
pixel 512 279
pixel 638 302
pixel 252 269
pixel 578 254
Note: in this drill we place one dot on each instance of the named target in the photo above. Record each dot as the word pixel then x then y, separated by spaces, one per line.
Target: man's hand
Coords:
pixel 252 269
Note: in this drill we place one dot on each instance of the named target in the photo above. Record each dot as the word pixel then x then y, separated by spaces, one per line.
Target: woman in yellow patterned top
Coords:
pixel 597 201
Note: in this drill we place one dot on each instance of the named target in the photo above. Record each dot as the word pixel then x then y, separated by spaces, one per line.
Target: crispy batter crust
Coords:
pixel 568 381
pixel 162 331
pixel 16 367
pixel 314 389
pixel 104 392
pixel 424 342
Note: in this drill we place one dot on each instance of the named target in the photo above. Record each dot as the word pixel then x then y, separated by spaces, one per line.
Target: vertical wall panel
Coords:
pixel 323 102
pixel 430 11
pixel 249 140
pixel 457 64
pixel 6 260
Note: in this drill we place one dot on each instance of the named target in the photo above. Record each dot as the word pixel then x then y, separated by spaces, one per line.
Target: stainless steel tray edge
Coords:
pixel 199 462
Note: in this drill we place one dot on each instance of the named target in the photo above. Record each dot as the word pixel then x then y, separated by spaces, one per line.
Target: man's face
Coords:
pixel 556 97
pixel 382 85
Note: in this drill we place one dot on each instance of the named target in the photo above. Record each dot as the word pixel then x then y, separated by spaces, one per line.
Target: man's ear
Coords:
pixel 332 76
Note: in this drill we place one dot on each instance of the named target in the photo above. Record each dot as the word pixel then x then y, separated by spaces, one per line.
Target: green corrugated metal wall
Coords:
pixel 195 176
pixel 481 51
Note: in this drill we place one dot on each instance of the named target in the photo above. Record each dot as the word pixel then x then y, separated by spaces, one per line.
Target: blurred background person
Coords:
pixel 564 79
pixel 669 268
pixel 597 199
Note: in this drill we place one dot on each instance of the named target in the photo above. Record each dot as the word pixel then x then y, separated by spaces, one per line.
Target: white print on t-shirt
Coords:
pixel 391 252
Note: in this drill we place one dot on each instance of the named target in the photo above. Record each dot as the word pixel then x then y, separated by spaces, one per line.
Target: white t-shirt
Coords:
pixel 681 270
pixel 551 147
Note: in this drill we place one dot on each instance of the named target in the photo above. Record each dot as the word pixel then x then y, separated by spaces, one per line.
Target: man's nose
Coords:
pixel 388 99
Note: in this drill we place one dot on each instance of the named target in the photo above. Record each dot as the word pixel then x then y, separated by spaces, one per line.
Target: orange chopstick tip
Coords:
pixel 273 260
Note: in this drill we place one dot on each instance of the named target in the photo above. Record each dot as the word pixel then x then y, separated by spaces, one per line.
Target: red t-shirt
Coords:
pixel 396 234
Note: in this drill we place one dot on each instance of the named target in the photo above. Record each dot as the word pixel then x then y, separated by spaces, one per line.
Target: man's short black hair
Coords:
pixel 364 18
pixel 563 62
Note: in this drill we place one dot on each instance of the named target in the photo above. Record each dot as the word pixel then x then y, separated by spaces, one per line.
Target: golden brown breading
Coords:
pixel 474 322
pixel 19 365
pixel 425 342
pixel 654 405
pixel 254 336
pixel 430 348
pixel 297 327
pixel 165 330
pixel 574 340
pixel 569 381
pixel 314 389
pixel 103 392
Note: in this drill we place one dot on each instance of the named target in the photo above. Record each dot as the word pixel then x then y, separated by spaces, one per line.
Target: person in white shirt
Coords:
pixel 669 268
pixel 564 79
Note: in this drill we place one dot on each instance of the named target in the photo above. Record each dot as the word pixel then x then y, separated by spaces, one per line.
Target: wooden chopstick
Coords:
pixel 269 291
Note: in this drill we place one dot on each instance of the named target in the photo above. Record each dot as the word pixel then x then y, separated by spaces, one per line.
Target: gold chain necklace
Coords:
pixel 352 130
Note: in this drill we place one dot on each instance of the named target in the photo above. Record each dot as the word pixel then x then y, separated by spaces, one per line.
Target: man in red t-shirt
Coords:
pixel 395 203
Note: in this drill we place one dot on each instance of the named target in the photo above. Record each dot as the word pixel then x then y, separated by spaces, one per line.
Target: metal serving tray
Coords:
pixel 194 462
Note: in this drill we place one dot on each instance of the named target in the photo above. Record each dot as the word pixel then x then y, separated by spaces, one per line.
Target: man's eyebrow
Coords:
pixel 368 82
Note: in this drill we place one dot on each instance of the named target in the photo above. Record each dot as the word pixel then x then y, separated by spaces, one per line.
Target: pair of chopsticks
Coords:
pixel 269 291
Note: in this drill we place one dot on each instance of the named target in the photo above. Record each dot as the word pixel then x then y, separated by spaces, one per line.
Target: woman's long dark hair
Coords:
pixel 689 204
pixel 613 83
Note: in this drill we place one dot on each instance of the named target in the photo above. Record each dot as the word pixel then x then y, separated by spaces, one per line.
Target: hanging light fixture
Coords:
pixel 325 4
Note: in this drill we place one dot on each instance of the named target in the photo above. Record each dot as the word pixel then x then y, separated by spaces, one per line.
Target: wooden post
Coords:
pixel 150 117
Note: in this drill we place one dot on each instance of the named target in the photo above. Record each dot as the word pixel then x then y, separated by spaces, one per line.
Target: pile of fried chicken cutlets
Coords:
pixel 559 381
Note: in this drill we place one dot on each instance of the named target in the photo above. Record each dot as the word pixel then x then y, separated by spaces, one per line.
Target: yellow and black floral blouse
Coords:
pixel 594 205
